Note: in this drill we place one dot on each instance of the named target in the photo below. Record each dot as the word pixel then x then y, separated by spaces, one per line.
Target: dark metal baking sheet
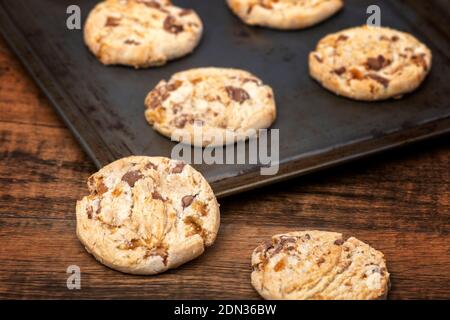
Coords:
pixel 103 106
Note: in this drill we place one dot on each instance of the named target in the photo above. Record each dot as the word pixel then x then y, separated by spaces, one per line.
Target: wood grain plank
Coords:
pixel 20 100
pixel 222 273
pixel 398 202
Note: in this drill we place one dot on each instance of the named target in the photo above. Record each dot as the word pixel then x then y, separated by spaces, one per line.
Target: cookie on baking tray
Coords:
pixel 207 106
pixel 370 63
pixel 284 14
pixel 145 215
pixel 318 265
pixel 141 33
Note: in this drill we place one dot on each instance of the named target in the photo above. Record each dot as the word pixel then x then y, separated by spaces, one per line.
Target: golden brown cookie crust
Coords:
pixel 370 63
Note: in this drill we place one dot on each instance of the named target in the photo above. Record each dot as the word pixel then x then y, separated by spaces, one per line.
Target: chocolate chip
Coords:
pixel 339 242
pixel 277 249
pixel 89 212
pixel 150 165
pixel 157 196
pixel 174 86
pixel 176 108
pixel 342 37
pixel 112 22
pixel 101 188
pixel 178 168
pixel 263 247
pixel 395 38
pixel 319 59
pixel 132 42
pixel 181 121
pixel 165 96
pixel 99 209
pixel 237 94
pixel 155 102
pixel 171 26
pixel 307 237
pixel 131 177
pixel 419 60
pixel 379 79
pixel 340 71
pixel 321 260
pixel 187 201
pixel 377 63
pixel 156 97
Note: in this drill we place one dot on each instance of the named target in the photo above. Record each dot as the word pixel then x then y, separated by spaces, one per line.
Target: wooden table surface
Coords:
pixel 398 202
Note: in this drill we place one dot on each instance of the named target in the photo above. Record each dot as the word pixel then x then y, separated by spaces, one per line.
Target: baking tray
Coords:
pixel 103 106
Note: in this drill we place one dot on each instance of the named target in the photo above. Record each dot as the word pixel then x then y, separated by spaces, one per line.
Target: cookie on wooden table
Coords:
pixel 141 33
pixel 205 106
pixel 145 215
pixel 370 63
pixel 284 14
pixel 318 265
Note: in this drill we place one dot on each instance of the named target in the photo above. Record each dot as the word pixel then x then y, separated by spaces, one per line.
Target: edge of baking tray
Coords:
pixel 333 157
pixel 226 187
pixel 44 79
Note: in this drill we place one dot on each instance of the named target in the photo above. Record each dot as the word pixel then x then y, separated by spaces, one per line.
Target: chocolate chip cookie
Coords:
pixel 145 215
pixel 210 106
pixel 284 14
pixel 141 33
pixel 370 63
pixel 318 265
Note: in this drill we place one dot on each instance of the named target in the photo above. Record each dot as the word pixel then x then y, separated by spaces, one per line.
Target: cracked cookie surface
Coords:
pixel 145 215
pixel 207 106
pixel 141 33
pixel 316 265
pixel 284 14
pixel 370 63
